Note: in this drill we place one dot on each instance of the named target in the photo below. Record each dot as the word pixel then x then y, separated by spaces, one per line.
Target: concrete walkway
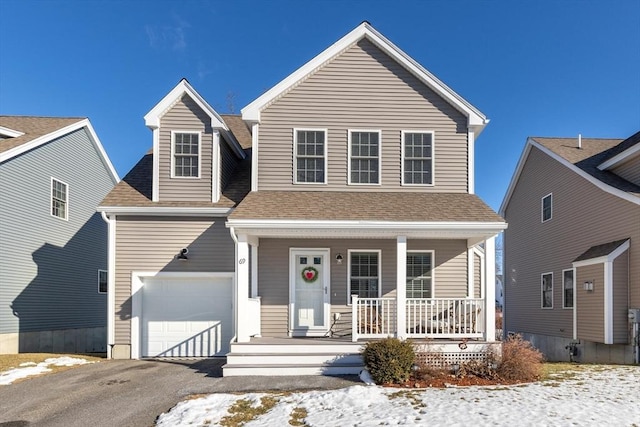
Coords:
pixel 131 392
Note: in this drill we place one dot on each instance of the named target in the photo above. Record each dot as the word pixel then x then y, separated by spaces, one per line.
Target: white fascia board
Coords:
pixel 164 210
pixel 620 157
pixel 42 140
pixel 525 153
pixel 152 118
pixel 367 225
pixel 10 132
pixel 605 258
pixel 103 153
pixel 476 119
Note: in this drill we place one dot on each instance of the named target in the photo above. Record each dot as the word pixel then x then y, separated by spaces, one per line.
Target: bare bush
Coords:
pixel 520 361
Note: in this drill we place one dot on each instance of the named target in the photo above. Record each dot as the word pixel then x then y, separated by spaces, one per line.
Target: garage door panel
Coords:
pixel 186 317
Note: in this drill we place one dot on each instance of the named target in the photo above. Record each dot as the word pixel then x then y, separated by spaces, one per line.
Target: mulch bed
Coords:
pixel 445 380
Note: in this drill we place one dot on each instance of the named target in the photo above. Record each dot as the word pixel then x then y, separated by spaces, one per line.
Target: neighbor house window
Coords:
pixel 417 158
pixel 103 283
pixel 419 274
pixel 567 288
pixel 547 207
pixel 59 199
pixel 547 290
pixel 310 156
pixel 364 157
pixel 186 154
pixel 364 274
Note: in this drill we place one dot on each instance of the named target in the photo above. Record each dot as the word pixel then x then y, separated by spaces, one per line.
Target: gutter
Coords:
pixel 111 281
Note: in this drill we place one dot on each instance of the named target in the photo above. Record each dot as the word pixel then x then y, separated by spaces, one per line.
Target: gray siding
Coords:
pixel 477 279
pixel 150 244
pixel 621 299
pixel 185 115
pixel 48 267
pixel 591 304
pixel 583 216
pixel 629 170
pixel 450 275
pixel 362 88
pixel 229 163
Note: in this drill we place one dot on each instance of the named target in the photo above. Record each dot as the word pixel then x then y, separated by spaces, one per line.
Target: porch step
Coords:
pixel 292 369
pixel 295 347
pixel 289 359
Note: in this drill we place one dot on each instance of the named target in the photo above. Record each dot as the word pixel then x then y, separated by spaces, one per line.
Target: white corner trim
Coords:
pixel 165 210
pixel 471 162
pixel 111 280
pixel 62 132
pixel 605 258
pixel 620 157
pixel 216 170
pixel 608 302
pixel 10 132
pixel 152 118
pixel 255 129
pixel 155 189
pixel 475 118
pixel 525 154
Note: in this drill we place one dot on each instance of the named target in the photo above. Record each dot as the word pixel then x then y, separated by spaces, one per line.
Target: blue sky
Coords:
pixel 535 68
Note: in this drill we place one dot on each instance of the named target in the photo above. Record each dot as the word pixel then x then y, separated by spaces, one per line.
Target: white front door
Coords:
pixel 309 292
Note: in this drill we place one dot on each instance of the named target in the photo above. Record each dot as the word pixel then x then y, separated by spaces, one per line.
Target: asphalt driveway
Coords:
pixel 131 392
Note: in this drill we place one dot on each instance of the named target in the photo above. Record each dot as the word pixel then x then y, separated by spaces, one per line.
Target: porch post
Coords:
pixel 255 242
pixel 490 289
pixel 401 288
pixel 243 327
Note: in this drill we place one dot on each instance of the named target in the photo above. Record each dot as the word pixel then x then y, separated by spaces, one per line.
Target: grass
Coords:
pixel 243 411
pixel 10 361
pixel 297 417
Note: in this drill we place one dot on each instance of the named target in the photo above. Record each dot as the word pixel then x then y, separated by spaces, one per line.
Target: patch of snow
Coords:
pixel 365 377
pixel 28 369
pixel 596 395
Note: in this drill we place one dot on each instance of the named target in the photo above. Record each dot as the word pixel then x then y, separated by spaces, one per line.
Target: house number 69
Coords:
pixel 242 261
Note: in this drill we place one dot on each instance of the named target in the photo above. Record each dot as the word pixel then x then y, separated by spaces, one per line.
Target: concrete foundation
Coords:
pixel 121 351
pixel 82 340
pixel 554 350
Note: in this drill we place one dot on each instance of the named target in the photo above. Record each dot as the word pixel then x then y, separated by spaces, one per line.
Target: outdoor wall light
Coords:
pixel 182 256
pixel 588 286
pixel 339 258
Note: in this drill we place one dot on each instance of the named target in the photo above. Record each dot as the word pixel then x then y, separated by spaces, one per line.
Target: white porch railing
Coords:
pixel 426 318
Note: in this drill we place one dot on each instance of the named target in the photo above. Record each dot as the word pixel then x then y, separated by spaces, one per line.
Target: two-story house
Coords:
pixel 53 269
pixel 339 207
pixel 572 250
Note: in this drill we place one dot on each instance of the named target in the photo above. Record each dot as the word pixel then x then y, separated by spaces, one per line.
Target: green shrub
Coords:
pixel 389 360
pixel 520 360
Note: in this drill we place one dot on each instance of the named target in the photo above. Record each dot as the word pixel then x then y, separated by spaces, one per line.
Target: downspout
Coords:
pixel 111 279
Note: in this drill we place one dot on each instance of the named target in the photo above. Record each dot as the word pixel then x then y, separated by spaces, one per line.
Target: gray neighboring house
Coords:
pixel 53 268
pixel 338 208
pixel 572 250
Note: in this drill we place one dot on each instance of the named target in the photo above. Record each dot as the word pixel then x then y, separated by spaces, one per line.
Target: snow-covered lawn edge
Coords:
pixel 592 395
pixel 28 369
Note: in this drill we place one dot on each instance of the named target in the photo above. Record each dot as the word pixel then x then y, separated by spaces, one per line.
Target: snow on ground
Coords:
pixel 596 395
pixel 28 369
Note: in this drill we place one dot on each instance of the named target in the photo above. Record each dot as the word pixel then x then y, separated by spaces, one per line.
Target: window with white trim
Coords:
pixel 567 288
pixel 310 156
pixel 546 285
pixel 547 207
pixel 417 158
pixel 364 157
pixel 186 154
pixel 103 281
pixel 364 274
pixel 59 199
pixel 419 276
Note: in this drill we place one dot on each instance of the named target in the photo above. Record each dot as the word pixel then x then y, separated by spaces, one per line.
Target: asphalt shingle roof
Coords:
pixel 33 127
pixel 600 250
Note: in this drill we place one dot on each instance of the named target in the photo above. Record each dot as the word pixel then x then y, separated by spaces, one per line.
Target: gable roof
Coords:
pixel 32 132
pixel 476 119
pixel 152 118
pixel 134 192
pixel 601 251
pixel 584 161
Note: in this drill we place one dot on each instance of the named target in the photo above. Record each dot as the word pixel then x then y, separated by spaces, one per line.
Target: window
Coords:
pixel 364 157
pixel 59 199
pixel 547 207
pixel 186 154
pixel 567 288
pixel 547 290
pixel 310 156
pixel 364 274
pixel 417 158
pixel 419 277
pixel 103 283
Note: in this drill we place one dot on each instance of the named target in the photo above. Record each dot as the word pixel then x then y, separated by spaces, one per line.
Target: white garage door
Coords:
pixel 186 317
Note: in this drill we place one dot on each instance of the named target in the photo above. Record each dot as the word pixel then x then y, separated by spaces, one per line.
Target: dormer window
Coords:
pixel 186 154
